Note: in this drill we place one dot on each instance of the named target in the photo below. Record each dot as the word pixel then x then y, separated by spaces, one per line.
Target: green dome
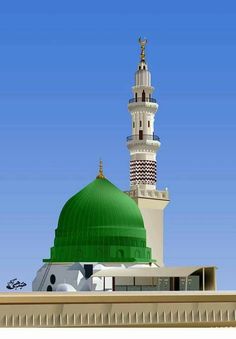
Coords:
pixel 100 224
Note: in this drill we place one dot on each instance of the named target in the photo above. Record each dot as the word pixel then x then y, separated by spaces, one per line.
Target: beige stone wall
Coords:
pixel 152 211
pixel 117 309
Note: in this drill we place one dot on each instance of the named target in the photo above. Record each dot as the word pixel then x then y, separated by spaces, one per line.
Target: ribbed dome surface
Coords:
pixel 100 224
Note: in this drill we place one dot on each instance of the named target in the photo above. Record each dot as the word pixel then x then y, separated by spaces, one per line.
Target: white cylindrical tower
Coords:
pixel 143 143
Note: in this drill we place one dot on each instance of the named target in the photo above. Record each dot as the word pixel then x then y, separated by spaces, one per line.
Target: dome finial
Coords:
pixel 100 174
pixel 142 45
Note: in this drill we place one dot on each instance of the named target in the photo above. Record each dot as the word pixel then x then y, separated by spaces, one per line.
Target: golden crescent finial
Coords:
pixel 100 174
pixel 142 45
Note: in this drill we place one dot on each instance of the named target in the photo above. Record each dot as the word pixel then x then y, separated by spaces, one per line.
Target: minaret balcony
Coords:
pixel 142 100
pixel 145 137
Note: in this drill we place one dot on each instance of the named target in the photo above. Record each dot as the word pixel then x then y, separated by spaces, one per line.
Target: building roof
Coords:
pixel 151 272
pixel 100 224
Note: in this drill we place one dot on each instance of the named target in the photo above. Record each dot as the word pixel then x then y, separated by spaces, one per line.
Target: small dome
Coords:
pixel 100 224
pixel 65 288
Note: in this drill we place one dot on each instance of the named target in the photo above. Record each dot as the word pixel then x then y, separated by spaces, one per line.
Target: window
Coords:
pixel 88 270
pixel 148 123
pixel 120 254
pixel 52 279
pixel 143 95
pixel 140 123
pixel 49 288
pixel 133 124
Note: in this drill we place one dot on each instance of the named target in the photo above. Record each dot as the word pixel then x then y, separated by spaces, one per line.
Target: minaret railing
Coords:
pixel 144 137
pixel 140 99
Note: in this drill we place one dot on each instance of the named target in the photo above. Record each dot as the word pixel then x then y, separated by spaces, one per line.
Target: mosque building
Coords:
pixel 109 240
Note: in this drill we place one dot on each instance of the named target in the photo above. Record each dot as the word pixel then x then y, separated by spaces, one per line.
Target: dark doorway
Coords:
pixel 176 283
pixel 143 96
pixel 88 270
pixel 140 135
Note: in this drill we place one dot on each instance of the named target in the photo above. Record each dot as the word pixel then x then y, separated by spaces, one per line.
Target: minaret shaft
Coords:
pixel 143 145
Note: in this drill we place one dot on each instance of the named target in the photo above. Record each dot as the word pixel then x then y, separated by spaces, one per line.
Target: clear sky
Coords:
pixel 66 71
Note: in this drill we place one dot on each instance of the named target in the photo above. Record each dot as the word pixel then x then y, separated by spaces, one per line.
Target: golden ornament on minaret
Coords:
pixel 100 174
pixel 142 44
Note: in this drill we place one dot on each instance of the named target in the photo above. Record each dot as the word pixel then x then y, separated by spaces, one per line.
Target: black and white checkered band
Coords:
pixel 142 172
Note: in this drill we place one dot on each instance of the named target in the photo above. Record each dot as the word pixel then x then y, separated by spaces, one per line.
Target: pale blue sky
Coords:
pixel 66 74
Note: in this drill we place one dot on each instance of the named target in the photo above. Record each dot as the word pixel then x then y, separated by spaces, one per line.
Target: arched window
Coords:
pixel 52 279
pixel 148 123
pixel 120 254
pixel 143 96
pixel 136 97
pixel 49 288
pixel 133 124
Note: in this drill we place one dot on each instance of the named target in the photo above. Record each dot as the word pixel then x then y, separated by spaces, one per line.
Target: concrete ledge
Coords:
pixel 118 309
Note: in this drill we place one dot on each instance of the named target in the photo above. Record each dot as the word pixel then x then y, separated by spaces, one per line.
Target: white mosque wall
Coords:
pixel 63 273
pixel 65 288
pixel 71 276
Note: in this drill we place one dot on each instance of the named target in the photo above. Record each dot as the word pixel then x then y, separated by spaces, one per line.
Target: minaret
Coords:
pixel 143 145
